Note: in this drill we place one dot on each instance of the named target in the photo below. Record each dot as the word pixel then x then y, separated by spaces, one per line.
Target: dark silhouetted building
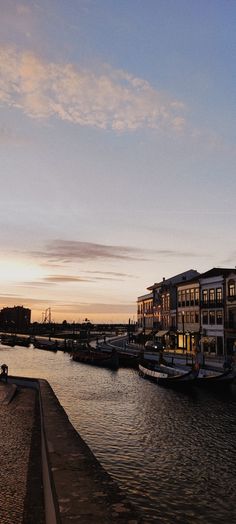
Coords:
pixel 15 318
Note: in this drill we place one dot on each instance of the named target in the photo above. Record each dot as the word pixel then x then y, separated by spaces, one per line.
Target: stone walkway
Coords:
pixel 19 458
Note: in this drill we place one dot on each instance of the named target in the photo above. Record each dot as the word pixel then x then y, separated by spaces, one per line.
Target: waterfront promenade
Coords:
pixel 48 474
pixel 21 497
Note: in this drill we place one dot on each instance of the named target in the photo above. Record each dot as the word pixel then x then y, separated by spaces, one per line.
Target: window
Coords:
pixel 179 298
pixel 196 296
pixel 212 319
pixel 183 297
pixel 192 317
pixel 187 297
pixel 204 296
pixel 212 295
pixel 196 317
pixel 231 288
pixel 205 317
pixel 168 301
pixel 187 317
pixel 219 317
pixel 192 296
pixel 219 294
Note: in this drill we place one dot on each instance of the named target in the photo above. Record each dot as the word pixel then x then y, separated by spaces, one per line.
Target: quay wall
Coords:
pixel 76 487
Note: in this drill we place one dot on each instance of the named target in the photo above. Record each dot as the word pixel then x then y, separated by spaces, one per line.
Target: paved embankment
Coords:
pixel 48 474
pixel 21 498
pixel 83 491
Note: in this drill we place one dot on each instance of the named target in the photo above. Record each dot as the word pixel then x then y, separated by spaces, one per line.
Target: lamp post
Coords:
pixel 144 324
pixel 183 330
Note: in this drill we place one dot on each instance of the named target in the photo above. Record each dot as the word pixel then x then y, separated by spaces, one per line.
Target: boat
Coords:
pixel 8 340
pixel 170 376
pixel 215 379
pixel 48 345
pixel 96 357
pixel 167 376
pixel 23 341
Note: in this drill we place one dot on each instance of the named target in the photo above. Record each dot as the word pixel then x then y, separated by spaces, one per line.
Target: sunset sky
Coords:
pixel 118 149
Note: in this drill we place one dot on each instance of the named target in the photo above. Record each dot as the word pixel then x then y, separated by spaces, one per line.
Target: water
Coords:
pixel 173 453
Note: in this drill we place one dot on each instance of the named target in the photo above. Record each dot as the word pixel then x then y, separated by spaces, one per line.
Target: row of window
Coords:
pixel 212 317
pixel 190 317
pixel 188 295
pixel 212 295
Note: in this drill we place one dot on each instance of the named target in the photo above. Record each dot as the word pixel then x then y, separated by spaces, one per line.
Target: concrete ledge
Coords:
pixel 7 392
pixel 77 489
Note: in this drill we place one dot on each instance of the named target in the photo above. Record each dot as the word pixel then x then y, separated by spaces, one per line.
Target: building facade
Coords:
pixel 15 318
pixel 192 310
pixel 230 313
pixel 188 315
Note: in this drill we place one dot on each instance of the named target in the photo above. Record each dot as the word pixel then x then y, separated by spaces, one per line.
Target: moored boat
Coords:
pixel 166 375
pixel 48 345
pixel 173 377
pixel 8 340
pixel 96 357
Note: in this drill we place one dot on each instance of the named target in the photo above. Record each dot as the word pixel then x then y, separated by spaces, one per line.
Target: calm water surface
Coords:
pixel 173 453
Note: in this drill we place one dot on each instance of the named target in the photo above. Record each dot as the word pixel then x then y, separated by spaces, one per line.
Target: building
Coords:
pixel 188 315
pixel 192 310
pixel 15 319
pixel 217 309
pixel 157 311
pixel 230 312
pixel 145 313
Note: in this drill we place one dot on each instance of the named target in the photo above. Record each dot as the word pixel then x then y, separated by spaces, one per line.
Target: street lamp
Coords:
pixel 183 330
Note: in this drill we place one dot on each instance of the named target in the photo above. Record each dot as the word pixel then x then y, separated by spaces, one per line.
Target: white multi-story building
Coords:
pixel 213 310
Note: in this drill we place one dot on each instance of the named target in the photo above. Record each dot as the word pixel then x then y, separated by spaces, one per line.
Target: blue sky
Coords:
pixel 117 139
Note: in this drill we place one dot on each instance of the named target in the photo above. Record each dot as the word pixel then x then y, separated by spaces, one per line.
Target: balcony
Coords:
pixel 211 304
pixel 231 298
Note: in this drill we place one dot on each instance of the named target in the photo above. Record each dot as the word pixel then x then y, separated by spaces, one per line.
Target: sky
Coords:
pixel 117 150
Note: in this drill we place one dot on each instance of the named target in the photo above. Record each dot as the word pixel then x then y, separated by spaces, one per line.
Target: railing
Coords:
pixel 231 298
pixel 211 304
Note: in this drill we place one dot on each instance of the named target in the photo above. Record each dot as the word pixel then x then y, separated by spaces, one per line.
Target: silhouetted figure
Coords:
pixel 4 372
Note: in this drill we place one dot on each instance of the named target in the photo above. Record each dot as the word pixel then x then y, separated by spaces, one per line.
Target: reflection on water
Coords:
pixel 173 453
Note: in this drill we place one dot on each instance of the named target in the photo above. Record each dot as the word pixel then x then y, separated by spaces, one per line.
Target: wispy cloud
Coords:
pixel 108 99
pixel 68 250
pixel 61 279
pixel 112 273
pixel 95 308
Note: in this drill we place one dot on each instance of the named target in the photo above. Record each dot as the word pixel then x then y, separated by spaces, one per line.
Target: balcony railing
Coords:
pixel 231 298
pixel 211 304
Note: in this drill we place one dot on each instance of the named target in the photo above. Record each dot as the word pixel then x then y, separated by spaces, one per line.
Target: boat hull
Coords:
pixel 188 379
pixel 96 358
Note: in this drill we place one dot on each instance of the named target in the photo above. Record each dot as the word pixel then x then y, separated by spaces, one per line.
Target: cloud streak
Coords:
pixel 68 250
pixel 64 252
pixel 108 99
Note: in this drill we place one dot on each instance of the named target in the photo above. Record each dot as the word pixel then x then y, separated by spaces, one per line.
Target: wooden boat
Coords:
pixel 48 345
pixel 215 379
pixel 8 340
pixel 96 357
pixel 167 376
pixel 173 377
pixel 23 341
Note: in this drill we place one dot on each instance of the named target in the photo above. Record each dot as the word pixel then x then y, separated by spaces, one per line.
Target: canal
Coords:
pixel 173 453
